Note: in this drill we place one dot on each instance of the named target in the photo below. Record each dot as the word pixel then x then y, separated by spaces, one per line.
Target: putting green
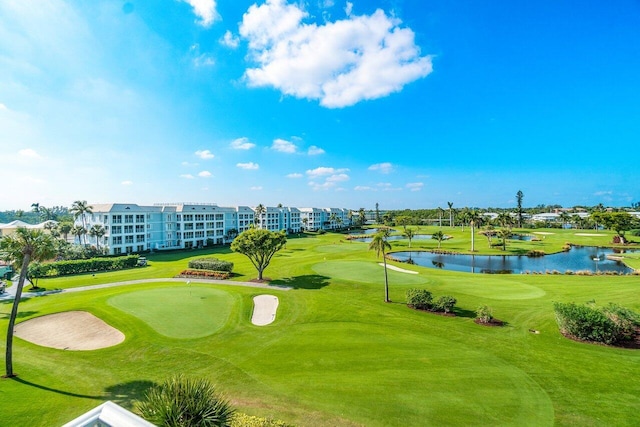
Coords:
pixel 345 246
pixel 181 312
pixel 365 272
pixel 385 371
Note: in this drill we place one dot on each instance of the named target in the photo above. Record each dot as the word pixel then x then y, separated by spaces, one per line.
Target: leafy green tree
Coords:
pixel 380 245
pixel 185 402
pixel 20 248
pixel 81 208
pixel 259 246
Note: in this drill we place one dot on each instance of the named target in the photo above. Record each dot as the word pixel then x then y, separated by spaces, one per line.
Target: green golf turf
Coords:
pixel 183 312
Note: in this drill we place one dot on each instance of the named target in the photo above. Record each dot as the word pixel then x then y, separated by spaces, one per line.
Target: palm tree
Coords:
pixel 565 218
pixel 35 207
pixel 305 221
pixel 260 210
pixel 409 233
pixel 20 248
pixel 439 236
pixel 79 209
pixel 380 245
pixel 46 214
pixel 440 212
pixel 333 218
pixel 65 229
pixel 475 218
pixel 350 217
pixel 504 219
pixel 464 217
pixel 98 232
pixel 339 221
pixel 451 224
pixel 78 231
pixel 504 234
pixel 362 216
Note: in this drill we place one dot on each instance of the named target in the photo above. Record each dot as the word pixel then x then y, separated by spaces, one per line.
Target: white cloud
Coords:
pixel 205 10
pixel 283 146
pixel 30 153
pixel 201 59
pixel 323 171
pixel 187 176
pixel 248 166
pixel 126 182
pixel 229 40
pixel 363 188
pixel 204 154
pixel 348 8
pixel 188 164
pixel 603 193
pixel 242 144
pixel 3 107
pixel 382 167
pixel 295 175
pixel 314 151
pixel 256 188
pixel 205 174
pixel 339 63
pixel 415 186
pixel 338 177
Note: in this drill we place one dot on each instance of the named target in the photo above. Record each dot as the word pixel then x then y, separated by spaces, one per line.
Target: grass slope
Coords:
pixel 337 354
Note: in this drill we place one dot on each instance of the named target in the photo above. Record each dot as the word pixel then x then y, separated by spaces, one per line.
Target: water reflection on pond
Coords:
pixel 395 237
pixel 579 258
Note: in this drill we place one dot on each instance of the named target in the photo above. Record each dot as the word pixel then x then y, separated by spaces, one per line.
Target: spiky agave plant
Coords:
pixel 185 402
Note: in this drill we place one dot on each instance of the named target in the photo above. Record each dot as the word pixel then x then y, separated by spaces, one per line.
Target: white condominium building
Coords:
pixel 132 228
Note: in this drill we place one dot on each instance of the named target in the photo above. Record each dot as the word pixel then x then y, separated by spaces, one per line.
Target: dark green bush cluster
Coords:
pixel 421 299
pixel 81 266
pixel 609 325
pixel 211 264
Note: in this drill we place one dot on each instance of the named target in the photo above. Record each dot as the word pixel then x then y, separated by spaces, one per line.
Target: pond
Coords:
pixel 395 237
pixel 369 231
pixel 579 258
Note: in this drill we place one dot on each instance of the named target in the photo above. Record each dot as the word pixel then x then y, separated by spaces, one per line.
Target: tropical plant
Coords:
pixel 362 216
pixel 80 208
pixel 97 231
pixel 475 218
pixel 78 231
pixel 65 228
pixel 380 245
pixel 185 402
pixel 484 314
pixel 610 325
pixel 445 303
pixel 409 233
pixel 439 236
pixel 504 234
pixel 440 213
pixel 420 299
pixel 20 248
pixel 451 223
pixel 259 246
pixel 519 211
pixel 259 210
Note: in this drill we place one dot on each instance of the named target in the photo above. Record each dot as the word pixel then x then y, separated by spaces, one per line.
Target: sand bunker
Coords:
pixel 264 309
pixel 401 270
pixel 588 234
pixel 71 330
pixel 542 232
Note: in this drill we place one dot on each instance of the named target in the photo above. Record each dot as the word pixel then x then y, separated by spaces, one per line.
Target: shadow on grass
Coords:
pixel 309 281
pixel 54 390
pixel 125 394
pixel 463 312
pixel 20 315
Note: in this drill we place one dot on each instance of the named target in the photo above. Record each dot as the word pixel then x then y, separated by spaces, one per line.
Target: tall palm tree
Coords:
pixel 98 232
pixel 65 229
pixel 450 204
pixel 35 207
pixel 305 221
pixel 78 231
pixel 80 208
pixel 409 233
pixel 380 245
pixel 439 236
pixel 565 218
pixel 440 212
pixel 362 216
pixel 20 248
pixel 260 210
pixel 333 218
pixel 475 218
pixel 504 219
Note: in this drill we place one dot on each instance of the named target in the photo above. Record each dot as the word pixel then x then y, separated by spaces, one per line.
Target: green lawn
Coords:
pixel 337 354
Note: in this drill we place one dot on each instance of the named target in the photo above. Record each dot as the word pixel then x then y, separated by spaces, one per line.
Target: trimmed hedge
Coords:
pixel 420 299
pixel 83 266
pixel 609 325
pixel 208 274
pixel 211 264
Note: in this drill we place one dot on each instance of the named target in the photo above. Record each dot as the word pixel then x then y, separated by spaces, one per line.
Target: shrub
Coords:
pixel 420 299
pixel 445 303
pixel 484 314
pixel 610 325
pixel 535 253
pixel 181 401
pixel 221 275
pixel 211 264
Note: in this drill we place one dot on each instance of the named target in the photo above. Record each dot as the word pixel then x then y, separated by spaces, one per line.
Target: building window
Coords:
pixel 128 219
pixel 116 229
pixel 117 251
pixel 128 239
pixel 128 228
pixel 117 219
pixel 117 240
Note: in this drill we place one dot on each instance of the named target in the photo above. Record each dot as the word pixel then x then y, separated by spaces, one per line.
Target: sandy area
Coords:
pixel 264 309
pixel 589 234
pixel 71 330
pixel 542 232
pixel 401 270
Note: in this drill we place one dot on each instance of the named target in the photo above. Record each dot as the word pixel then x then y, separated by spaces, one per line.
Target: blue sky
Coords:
pixel 409 104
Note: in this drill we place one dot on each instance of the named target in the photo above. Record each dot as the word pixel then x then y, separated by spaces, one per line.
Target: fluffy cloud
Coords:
pixel 187 176
pixel 204 154
pixel 205 174
pixel 382 167
pixel 29 152
pixel 324 171
pixel 248 166
pixel 229 40
pixel 415 186
pixel 294 175
pixel 256 188
pixel 205 10
pixel 363 188
pixel 126 183
pixel 242 144
pixel 284 146
pixel 339 63
pixel 314 151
